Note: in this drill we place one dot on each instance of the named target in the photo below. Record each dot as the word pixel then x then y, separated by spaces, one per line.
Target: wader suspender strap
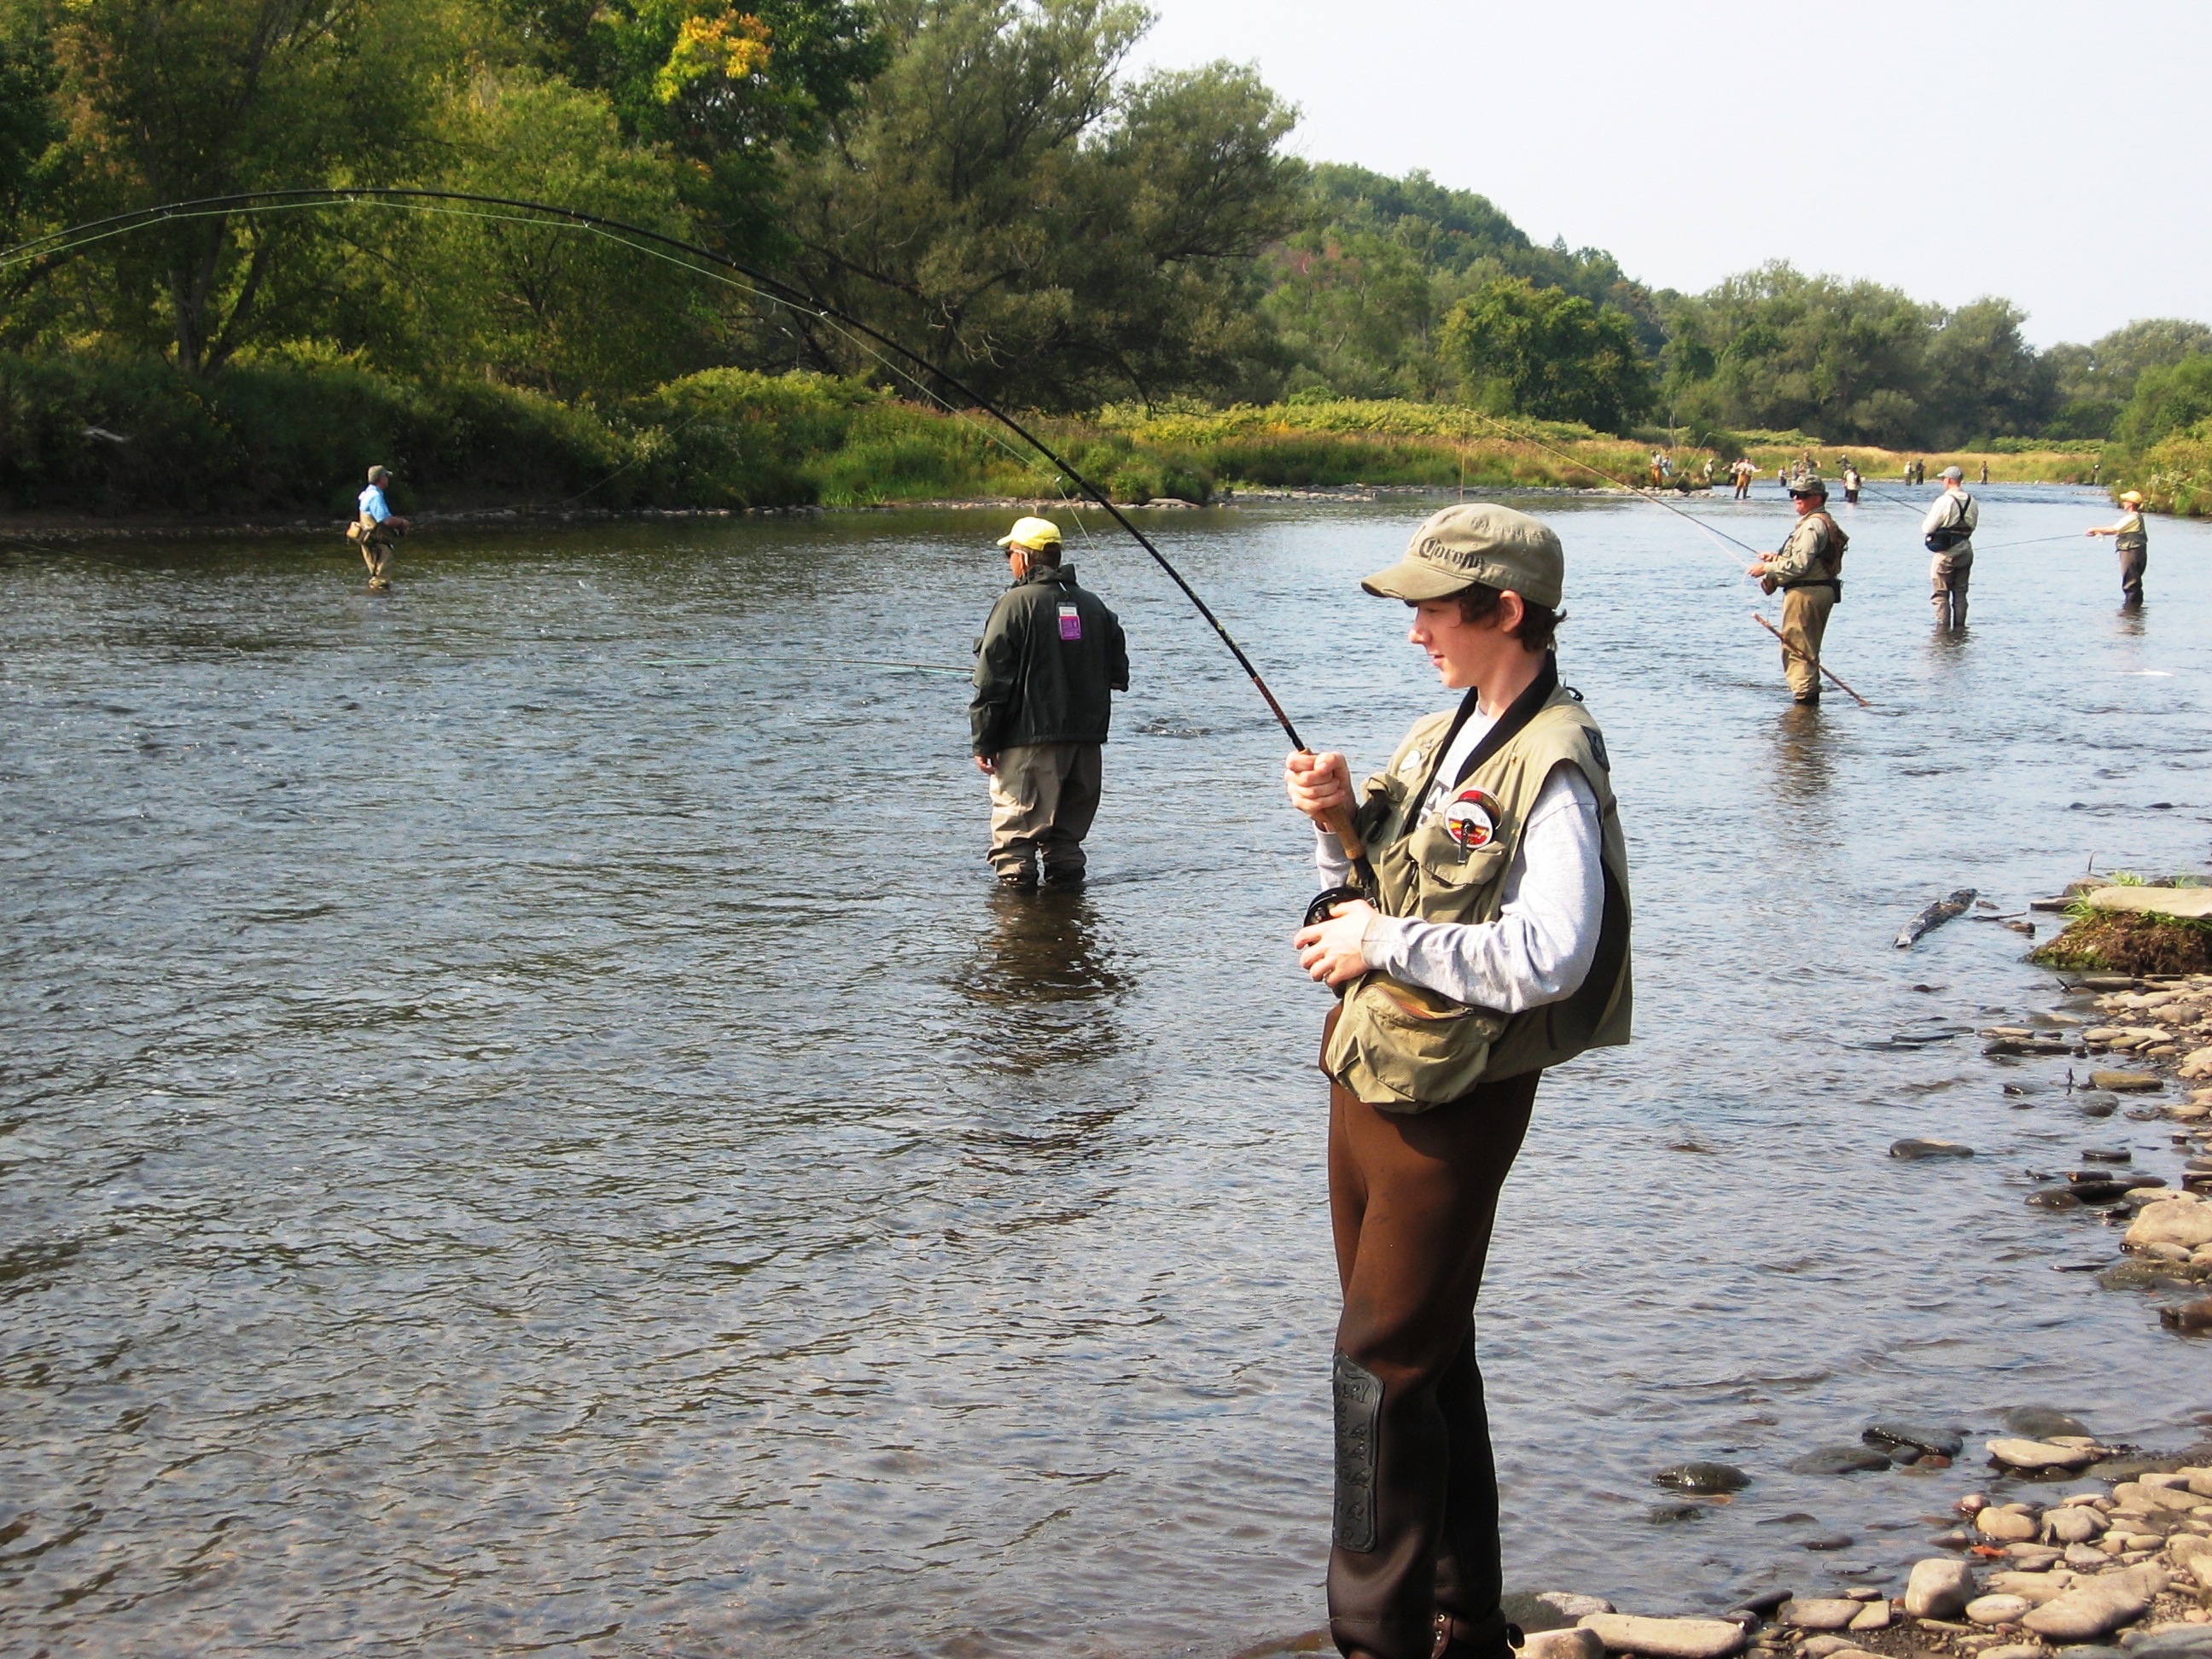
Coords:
pixel 1517 714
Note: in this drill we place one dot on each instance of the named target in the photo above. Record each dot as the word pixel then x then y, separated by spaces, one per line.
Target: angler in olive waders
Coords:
pixel 1948 532
pixel 1497 946
pixel 1049 662
pixel 2132 542
pixel 1809 570
pixel 376 529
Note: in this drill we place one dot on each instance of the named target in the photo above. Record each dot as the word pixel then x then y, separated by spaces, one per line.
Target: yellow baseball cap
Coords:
pixel 1032 534
pixel 2132 497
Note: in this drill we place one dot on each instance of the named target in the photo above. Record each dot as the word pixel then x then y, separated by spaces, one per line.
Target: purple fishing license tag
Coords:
pixel 1071 622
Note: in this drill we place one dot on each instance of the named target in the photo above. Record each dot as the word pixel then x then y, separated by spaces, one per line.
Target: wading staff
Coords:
pixel 61 242
pixel 1760 616
pixel 1652 496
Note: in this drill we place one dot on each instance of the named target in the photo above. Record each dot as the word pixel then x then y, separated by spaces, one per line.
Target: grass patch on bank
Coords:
pixel 2128 942
pixel 294 433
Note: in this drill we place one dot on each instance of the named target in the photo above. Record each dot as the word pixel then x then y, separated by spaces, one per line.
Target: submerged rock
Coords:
pixel 2044 1423
pixel 2189 1316
pixel 1707 1478
pixel 1944 1443
pixel 1562 1644
pixel 1840 1459
pixel 1914 1148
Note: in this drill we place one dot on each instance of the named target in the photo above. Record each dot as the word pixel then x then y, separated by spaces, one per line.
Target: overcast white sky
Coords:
pixel 1952 150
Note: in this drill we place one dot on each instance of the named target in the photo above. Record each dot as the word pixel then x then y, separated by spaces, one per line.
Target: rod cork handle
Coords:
pixel 1347 833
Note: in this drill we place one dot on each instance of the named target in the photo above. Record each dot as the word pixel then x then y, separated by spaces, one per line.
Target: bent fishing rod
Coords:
pixel 790 294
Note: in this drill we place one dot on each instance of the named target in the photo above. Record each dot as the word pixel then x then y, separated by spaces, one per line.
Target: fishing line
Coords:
pixel 772 288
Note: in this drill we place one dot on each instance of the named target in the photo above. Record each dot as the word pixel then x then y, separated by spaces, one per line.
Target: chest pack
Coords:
pixel 1831 575
pixel 1944 537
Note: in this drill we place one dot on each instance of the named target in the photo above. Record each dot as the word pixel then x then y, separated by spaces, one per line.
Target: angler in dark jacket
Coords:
pixel 1050 659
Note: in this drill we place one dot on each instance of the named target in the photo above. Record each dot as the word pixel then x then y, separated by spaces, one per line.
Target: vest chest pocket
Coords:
pixel 1454 877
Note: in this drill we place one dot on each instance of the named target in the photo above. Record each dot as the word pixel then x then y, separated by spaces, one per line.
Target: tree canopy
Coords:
pixel 986 181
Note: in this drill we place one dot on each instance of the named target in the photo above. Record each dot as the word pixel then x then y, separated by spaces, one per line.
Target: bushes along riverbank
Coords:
pixel 293 433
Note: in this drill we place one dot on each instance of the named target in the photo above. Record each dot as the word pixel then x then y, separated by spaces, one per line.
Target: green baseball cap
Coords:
pixel 1477 542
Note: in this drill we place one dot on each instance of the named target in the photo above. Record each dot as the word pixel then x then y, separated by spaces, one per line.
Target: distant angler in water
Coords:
pixel 376 530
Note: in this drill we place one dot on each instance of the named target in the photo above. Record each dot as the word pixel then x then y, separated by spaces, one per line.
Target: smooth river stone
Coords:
pixel 2033 1588
pixel 1912 1147
pixel 2007 1526
pixel 2040 1454
pixel 1997 1609
pixel 1668 1638
pixel 1562 1644
pixel 1838 1460
pixel 1570 1605
pixel 2122 1083
pixel 2097 1608
pixel 2174 1642
pixel 1939 1587
pixel 2073 1523
pixel 1818 1612
pixel 2195 1553
pixel 2176 1220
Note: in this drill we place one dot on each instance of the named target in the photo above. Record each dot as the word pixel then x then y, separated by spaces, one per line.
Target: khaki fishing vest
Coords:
pixel 1405 1048
pixel 2132 537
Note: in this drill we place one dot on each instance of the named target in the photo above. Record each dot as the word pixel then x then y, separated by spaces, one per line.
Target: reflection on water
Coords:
pixel 1802 771
pixel 1043 981
pixel 525 1122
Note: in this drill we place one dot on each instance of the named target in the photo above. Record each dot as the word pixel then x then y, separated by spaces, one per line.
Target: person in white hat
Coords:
pixel 2133 543
pixel 1046 666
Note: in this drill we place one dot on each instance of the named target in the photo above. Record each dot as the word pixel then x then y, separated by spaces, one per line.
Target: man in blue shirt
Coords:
pixel 377 529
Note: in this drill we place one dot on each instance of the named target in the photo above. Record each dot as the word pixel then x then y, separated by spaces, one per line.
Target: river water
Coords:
pixel 526 1126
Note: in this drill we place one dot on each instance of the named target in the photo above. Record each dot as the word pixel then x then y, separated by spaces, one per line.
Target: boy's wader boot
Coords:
pixel 1415 1568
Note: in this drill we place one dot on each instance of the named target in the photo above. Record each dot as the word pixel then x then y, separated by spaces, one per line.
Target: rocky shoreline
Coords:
pixel 2067 1545
pixel 2118 1564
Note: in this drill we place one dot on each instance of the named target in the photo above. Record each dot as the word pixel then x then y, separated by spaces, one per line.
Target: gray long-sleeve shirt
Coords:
pixel 1540 948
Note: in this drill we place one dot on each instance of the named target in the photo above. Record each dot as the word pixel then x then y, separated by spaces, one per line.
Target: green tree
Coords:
pixel 1002 203
pixel 1356 310
pixel 2166 400
pixel 726 89
pixel 2094 382
pixel 28 132
pixel 1985 381
pixel 545 305
pixel 1847 361
pixel 1551 354
pixel 167 99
